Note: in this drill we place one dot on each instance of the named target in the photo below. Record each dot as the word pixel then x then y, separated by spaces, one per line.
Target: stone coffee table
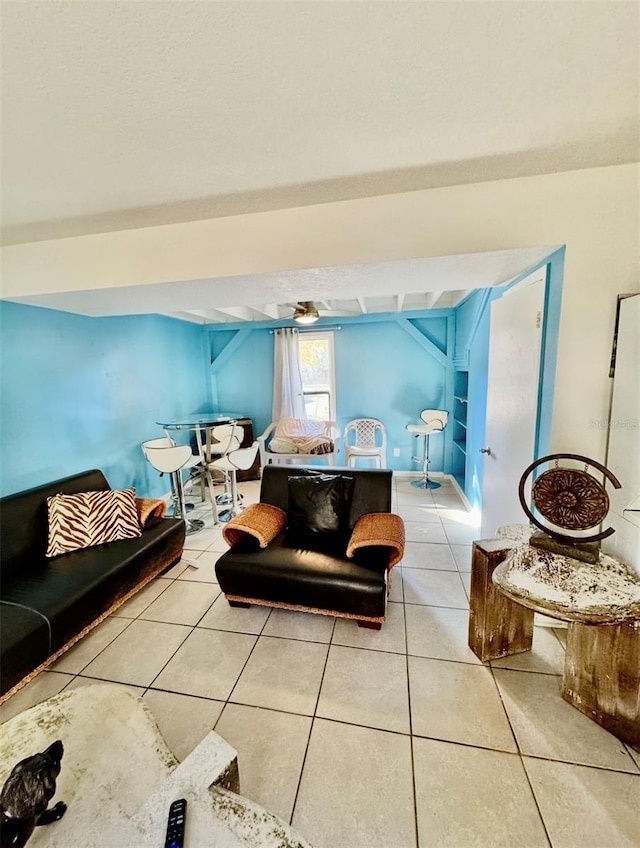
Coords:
pixel 118 778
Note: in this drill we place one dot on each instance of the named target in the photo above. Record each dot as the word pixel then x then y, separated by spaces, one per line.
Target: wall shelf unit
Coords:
pixel 460 408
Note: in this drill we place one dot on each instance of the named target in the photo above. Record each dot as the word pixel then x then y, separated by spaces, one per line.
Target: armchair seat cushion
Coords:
pixel 320 580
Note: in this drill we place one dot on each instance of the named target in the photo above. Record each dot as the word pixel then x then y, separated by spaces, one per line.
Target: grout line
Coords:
pixel 313 719
pixel 411 734
pixel 519 750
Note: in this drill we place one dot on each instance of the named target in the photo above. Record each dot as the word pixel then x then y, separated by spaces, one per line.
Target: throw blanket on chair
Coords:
pixel 295 435
pixel 260 521
pixel 379 529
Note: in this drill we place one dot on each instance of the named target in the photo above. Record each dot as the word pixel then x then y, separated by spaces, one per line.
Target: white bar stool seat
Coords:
pixel 434 421
pixel 172 459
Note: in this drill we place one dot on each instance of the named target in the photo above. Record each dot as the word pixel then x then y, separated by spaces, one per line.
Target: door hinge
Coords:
pixel 538 319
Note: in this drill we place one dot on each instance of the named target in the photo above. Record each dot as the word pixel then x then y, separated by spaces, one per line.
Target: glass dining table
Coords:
pixel 195 420
pixel 202 423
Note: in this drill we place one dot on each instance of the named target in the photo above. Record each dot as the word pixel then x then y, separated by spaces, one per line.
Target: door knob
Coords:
pixel 486 450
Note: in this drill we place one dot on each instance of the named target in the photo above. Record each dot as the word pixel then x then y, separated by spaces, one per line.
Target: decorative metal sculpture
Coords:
pixel 571 500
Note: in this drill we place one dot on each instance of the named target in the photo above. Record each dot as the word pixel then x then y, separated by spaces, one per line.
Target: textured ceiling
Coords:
pixel 129 114
pixel 120 115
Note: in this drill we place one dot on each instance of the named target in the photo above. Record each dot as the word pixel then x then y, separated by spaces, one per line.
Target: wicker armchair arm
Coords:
pixel 260 521
pixel 379 529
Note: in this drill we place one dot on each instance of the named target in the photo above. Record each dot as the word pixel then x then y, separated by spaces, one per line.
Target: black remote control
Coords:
pixel 175 824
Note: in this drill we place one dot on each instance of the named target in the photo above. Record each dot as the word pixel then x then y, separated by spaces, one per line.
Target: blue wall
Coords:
pixel 382 371
pixel 80 393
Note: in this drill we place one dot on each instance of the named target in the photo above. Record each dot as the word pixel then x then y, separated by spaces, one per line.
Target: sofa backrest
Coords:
pixel 23 520
pixel 371 491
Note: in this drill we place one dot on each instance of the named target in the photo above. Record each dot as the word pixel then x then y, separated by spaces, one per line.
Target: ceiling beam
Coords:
pixel 212 315
pixel 269 310
pixel 433 298
pixel 362 305
pixel 238 313
pixel 192 317
pixel 399 302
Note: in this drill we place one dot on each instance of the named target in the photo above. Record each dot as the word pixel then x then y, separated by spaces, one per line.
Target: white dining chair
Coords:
pixel 365 438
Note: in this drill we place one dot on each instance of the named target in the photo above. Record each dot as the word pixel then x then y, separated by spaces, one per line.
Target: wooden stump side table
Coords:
pixel 510 581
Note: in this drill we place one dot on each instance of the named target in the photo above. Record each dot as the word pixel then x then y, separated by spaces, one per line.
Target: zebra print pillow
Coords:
pixel 91 518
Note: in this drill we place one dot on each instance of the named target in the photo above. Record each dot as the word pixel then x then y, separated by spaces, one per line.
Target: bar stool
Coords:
pixel 218 442
pixel 192 462
pixel 434 421
pixel 236 460
pixel 171 459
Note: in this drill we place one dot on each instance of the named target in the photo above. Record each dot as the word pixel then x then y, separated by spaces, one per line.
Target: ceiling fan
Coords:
pixel 306 312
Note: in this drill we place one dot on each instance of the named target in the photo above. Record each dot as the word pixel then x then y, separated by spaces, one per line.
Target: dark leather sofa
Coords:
pixel 324 579
pixel 48 604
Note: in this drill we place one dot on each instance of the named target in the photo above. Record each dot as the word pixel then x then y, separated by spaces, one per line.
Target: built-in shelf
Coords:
pixel 460 418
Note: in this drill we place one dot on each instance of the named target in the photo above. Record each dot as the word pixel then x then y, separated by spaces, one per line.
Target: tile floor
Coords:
pixel 362 739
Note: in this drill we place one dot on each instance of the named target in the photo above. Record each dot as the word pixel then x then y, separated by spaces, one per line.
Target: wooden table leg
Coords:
pixel 498 627
pixel 602 676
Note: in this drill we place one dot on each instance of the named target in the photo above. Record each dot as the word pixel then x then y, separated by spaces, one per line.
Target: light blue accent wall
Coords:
pixel 381 372
pixel 476 350
pixel 245 383
pixel 79 393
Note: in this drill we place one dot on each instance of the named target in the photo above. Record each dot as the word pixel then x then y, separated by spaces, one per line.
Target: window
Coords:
pixel 318 375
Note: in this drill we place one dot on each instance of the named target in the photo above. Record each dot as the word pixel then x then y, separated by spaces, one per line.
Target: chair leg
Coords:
pixel 193 524
pixel 370 625
pixel 234 506
pixel 212 495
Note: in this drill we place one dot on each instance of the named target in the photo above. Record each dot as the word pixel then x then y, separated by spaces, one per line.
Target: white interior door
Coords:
pixel 512 399
pixel 623 455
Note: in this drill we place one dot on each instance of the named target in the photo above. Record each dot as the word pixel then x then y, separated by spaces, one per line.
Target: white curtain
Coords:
pixel 288 397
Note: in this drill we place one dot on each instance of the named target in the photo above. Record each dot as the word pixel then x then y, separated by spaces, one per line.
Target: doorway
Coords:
pixel 513 393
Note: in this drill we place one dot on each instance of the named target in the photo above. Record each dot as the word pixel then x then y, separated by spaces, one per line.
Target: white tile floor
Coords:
pixel 362 739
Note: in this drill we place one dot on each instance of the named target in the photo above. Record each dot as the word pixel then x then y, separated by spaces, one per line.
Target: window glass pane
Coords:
pixel 317 405
pixel 315 364
pixel 317 372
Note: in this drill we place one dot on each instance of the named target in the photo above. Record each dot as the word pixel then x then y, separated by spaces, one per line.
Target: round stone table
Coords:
pixel 511 579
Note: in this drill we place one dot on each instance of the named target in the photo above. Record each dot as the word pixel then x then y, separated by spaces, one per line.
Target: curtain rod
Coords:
pixel 321 328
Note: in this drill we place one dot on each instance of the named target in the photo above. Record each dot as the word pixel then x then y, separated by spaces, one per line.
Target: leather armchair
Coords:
pixel 319 578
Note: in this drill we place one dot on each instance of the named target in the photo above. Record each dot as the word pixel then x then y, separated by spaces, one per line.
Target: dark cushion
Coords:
pixel 371 492
pixel 318 509
pixel 321 580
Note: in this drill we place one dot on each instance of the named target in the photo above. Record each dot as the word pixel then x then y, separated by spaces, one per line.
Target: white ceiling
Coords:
pixel 119 115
